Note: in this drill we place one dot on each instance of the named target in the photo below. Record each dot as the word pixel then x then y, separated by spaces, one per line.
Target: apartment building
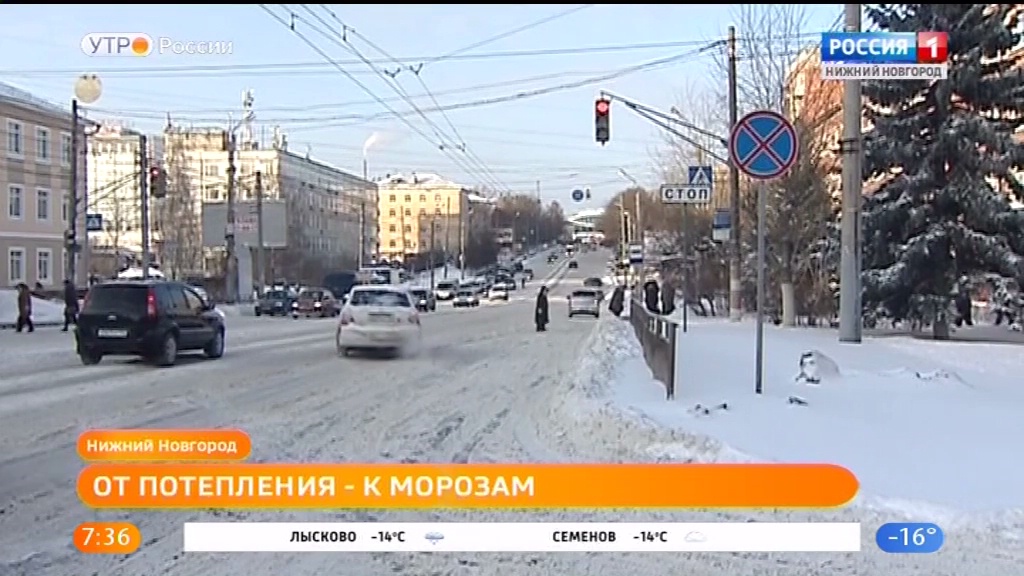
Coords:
pixel 35 178
pixel 414 206
pixel 328 210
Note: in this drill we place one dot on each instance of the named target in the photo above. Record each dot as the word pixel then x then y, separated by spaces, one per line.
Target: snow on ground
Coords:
pixel 43 311
pixel 908 417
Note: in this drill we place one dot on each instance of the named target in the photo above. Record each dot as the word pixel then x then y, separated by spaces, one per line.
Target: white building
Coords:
pixel 113 181
pixel 328 209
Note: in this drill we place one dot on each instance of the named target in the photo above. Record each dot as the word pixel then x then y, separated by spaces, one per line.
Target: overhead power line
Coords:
pixel 318 67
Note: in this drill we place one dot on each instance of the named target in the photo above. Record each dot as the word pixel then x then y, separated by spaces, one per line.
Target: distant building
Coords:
pixel 411 205
pixel 328 210
pixel 113 180
pixel 35 185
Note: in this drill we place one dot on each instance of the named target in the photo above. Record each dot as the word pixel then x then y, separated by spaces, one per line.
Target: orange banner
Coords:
pixel 107 538
pixel 414 486
pixel 141 445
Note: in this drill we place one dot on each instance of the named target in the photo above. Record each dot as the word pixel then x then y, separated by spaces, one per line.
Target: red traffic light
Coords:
pixel 154 172
pixel 602 107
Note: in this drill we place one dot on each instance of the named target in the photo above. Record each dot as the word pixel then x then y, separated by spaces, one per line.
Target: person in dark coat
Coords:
pixel 651 296
pixel 540 313
pixel 668 297
pixel 618 300
pixel 24 309
pixel 70 304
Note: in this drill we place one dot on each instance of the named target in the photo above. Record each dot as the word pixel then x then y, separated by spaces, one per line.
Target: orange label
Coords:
pixel 107 538
pixel 141 445
pixel 411 486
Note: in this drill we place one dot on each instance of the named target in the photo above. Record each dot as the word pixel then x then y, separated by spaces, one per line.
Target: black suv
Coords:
pixel 151 318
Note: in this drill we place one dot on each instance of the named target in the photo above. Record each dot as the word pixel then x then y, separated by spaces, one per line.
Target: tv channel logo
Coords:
pixel 133 44
pixel 885 47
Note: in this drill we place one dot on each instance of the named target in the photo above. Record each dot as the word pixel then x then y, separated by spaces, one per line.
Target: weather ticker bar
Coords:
pixel 225 537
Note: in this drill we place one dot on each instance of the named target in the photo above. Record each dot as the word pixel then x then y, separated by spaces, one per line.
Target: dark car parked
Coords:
pixel 153 319
pixel 316 302
pixel 275 303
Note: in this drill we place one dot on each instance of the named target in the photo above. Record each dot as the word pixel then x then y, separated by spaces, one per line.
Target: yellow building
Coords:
pixel 410 205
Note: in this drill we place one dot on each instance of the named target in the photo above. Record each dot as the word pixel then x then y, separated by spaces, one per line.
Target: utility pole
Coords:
pixel 462 239
pixel 261 249
pixel 638 223
pixel 231 260
pixel 433 246
pixel 447 235
pixel 736 254
pixel 362 234
pixel 850 320
pixel 144 202
pixel 71 238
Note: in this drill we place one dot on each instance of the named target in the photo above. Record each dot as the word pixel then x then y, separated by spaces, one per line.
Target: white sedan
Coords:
pixel 380 318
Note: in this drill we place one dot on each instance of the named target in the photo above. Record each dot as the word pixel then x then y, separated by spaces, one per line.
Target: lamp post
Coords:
pixel 87 89
pixel 637 216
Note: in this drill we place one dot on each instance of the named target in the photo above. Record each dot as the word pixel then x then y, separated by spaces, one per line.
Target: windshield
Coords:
pixel 584 294
pixel 445 285
pixel 419 293
pixel 103 299
pixel 383 298
pixel 277 295
pixel 312 295
pixel 592 282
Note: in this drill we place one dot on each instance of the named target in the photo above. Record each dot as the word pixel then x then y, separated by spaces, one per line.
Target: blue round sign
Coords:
pixel 763 145
pixel 577 195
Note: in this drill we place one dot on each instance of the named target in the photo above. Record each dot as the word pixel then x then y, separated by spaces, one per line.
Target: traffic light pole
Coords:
pixel 71 236
pixel 144 203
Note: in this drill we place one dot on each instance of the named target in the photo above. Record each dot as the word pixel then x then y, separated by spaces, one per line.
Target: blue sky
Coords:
pixel 548 138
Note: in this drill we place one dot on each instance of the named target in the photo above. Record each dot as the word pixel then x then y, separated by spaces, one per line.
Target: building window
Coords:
pixel 14 202
pixel 65 149
pixel 392 243
pixel 42 204
pixel 15 139
pixel 408 197
pixel 408 212
pixel 392 228
pixel 408 228
pixel 423 211
pixel 437 211
pixel 15 265
pixel 42 145
pixel 210 170
pixel 44 266
pixel 423 197
pixel 392 198
pixel 437 198
pixel 65 206
pixel 391 212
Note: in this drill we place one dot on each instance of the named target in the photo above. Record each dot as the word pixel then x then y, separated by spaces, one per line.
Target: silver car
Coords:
pixel 586 302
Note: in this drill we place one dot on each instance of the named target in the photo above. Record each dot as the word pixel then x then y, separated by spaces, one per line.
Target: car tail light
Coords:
pixel 151 303
pixel 346 318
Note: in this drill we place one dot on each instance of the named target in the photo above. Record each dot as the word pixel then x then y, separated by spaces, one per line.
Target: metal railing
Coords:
pixel 657 336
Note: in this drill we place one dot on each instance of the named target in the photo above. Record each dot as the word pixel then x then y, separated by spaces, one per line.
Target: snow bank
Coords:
pixel 44 312
pixel 907 416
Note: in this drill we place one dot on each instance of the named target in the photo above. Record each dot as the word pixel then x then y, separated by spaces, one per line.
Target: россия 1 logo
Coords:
pixel 137 44
pixel 884 55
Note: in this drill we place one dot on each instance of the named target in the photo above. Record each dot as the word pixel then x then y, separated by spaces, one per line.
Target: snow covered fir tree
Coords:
pixel 944 155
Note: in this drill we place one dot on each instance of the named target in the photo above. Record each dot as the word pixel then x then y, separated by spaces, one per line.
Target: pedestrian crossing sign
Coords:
pixel 700 176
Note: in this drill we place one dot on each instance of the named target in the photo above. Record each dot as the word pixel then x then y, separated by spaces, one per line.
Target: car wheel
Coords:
pixel 168 353
pixel 258 313
pixel 90 358
pixel 215 348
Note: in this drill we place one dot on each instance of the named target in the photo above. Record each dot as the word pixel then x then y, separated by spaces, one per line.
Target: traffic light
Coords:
pixel 602 120
pixel 157 182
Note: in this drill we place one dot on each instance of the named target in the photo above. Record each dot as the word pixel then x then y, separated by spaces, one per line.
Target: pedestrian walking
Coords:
pixel 24 309
pixel 540 312
pixel 70 305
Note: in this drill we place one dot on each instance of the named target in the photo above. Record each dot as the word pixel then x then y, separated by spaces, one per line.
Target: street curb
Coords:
pixel 11 325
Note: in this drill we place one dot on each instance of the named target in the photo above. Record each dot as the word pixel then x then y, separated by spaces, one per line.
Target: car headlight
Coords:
pixel 317 304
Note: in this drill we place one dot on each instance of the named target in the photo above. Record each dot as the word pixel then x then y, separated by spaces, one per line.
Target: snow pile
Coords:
pixel 906 416
pixel 44 312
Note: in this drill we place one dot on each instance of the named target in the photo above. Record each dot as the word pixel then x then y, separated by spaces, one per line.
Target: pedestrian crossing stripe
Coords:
pixel 700 176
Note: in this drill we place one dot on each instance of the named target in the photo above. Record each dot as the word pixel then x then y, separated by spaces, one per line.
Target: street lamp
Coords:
pixel 87 88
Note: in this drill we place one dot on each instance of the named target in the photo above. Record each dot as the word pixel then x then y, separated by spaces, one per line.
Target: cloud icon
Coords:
pixel 696 537
pixel 434 537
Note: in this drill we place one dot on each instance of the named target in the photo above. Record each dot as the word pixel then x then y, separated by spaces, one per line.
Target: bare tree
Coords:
pixel 176 227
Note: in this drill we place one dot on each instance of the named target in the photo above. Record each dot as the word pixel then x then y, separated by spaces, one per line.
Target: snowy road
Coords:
pixel 481 391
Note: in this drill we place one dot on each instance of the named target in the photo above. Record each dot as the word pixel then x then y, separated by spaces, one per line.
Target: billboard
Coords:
pixel 275 224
